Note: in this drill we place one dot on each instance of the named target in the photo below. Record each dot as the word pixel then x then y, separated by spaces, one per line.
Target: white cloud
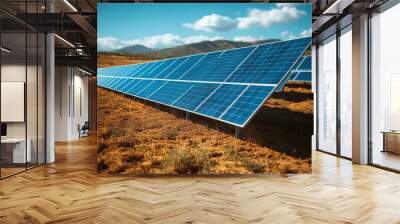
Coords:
pixel 247 38
pixel 282 13
pixel 289 35
pixel 265 18
pixel 108 43
pixel 157 41
pixel 285 33
pixel 306 33
pixel 211 23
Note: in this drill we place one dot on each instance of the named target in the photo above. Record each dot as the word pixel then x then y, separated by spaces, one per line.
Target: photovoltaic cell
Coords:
pixel 220 100
pixel 167 63
pixel 293 75
pixel 150 66
pixel 150 89
pixel 170 92
pixel 184 67
pixel 128 85
pixel 139 87
pixel 154 72
pixel 302 70
pixel 203 68
pixel 177 62
pixel 306 64
pixel 134 73
pixel 303 76
pixel 247 104
pixel 116 82
pixel 227 62
pixel 121 84
pixel 195 95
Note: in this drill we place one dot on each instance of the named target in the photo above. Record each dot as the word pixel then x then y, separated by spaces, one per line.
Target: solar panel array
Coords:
pixel 302 70
pixel 229 86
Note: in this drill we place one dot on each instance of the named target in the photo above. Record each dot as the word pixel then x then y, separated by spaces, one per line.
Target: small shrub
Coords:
pixel 244 159
pixel 129 142
pixel 216 154
pixel 104 133
pixel 169 134
pixel 185 161
pixel 133 157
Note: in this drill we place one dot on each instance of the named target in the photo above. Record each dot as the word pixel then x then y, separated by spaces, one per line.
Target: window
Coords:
pixel 346 92
pixel 385 89
pixel 327 95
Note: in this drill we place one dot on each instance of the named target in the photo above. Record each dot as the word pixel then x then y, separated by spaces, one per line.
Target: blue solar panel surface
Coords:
pixel 220 100
pixel 247 104
pixel 229 85
pixel 302 70
pixel 195 95
pixel 270 63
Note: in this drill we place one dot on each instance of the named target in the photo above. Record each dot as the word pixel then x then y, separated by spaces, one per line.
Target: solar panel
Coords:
pixel 270 63
pixel 170 92
pixel 184 67
pixel 306 64
pixel 220 100
pixel 195 95
pixel 246 105
pixel 303 76
pixel 302 70
pixel 204 67
pixel 229 86
pixel 177 62
pixel 150 89
pixel 139 87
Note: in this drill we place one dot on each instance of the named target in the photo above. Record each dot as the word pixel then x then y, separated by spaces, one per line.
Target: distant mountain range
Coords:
pixel 134 49
pixel 188 49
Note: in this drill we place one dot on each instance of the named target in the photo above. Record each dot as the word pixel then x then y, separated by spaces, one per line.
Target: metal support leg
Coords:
pixel 187 115
pixel 238 132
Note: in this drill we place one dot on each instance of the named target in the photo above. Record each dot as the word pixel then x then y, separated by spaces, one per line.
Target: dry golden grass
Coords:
pixel 136 137
pixel 107 60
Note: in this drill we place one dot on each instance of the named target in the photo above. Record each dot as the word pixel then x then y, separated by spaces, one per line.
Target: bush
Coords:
pixel 133 157
pixel 244 159
pixel 104 133
pixel 169 134
pixel 186 161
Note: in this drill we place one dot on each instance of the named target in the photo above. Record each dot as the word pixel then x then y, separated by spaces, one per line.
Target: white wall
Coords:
pixel 71 87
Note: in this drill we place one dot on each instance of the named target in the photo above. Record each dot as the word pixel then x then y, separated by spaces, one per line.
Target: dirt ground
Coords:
pixel 141 137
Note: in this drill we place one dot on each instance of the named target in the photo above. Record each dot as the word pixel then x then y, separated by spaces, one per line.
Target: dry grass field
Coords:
pixel 140 137
pixel 107 60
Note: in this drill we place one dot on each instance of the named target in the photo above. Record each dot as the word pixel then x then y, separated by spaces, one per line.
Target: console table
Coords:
pixel 391 141
pixel 13 150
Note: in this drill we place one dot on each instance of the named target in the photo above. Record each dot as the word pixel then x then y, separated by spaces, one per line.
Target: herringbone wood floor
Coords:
pixel 71 191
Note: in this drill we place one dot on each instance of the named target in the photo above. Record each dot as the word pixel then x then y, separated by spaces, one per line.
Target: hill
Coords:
pixel 140 51
pixel 134 49
pixel 202 47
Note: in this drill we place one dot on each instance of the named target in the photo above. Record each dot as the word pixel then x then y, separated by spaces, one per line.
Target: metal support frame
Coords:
pixel 238 132
pixel 187 116
pixel 338 76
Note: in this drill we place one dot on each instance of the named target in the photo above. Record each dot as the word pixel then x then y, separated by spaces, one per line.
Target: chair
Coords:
pixel 84 130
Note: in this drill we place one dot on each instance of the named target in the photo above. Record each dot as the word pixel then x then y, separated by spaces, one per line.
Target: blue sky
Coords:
pixel 168 25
